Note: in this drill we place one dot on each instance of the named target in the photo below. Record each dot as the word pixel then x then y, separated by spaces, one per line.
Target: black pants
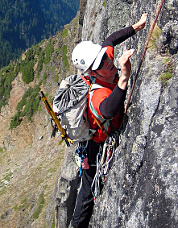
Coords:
pixel 85 203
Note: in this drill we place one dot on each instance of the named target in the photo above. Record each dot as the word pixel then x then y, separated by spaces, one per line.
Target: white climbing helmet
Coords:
pixel 87 53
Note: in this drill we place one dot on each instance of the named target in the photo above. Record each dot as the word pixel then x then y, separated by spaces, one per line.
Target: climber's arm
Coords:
pixel 123 34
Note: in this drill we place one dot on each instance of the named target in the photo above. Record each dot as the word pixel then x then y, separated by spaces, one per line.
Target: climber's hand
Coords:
pixel 140 24
pixel 125 65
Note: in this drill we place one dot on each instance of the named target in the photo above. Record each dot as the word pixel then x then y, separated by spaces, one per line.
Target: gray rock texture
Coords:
pixel 141 190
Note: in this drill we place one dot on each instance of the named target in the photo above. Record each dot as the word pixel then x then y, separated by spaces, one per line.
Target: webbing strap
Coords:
pixel 104 125
pixel 100 125
pixel 93 87
pixel 85 80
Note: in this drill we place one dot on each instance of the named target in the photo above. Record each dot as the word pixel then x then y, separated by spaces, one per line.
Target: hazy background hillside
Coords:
pixel 24 23
pixel 30 160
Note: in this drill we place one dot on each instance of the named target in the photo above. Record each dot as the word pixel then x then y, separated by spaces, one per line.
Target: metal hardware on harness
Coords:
pixel 81 153
pixel 95 187
pixel 103 162
pixel 107 155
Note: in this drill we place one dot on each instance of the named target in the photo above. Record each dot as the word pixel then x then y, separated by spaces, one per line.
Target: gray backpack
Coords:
pixel 70 104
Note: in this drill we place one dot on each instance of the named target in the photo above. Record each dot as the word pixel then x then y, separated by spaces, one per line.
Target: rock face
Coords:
pixel 141 190
pixel 66 190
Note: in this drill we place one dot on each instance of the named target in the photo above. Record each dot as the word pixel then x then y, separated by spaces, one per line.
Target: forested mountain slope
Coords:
pixel 30 160
pixel 24 23
pixel 141 188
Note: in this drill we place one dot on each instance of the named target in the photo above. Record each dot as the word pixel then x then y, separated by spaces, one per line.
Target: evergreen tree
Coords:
pixel 24 23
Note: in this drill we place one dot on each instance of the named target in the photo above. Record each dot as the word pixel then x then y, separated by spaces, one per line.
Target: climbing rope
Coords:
pixel 143 54
pixel 103 162
pixel 105 155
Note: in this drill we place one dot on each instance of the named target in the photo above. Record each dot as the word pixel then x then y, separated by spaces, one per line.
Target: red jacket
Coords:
pixel 97 96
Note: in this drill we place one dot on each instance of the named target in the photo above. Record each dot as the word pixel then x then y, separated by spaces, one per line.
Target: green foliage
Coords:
pixel 7 75
pixel 45 78
pixel 56 78
pixel 8 176
pixel 166 60
pixel 15 121
pixel 24 23
pixel 27 106
pixel 75 21
pixel 2 191
pixel 165 76
pixel 1 150
pixel 64 33
pixel 40 63
pixel 23 203
pixel 33 55
pixel 27 72
pixel 168 71
pixel 104 3
pixel 40 205
pixel 155 41
pixel 52 170
pixel 64 57
pixel 27 65
pixel 53 224
pixel 48 52
pixel 50 98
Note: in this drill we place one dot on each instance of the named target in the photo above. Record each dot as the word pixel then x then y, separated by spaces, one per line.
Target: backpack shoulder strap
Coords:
pixel 95 115
pixel 85 80
pixel 93 87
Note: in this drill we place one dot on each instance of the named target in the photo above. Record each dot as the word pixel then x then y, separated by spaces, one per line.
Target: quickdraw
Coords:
pixel 108 152
pixel 103 162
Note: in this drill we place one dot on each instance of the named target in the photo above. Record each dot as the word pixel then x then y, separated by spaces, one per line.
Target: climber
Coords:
pixel 105 103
